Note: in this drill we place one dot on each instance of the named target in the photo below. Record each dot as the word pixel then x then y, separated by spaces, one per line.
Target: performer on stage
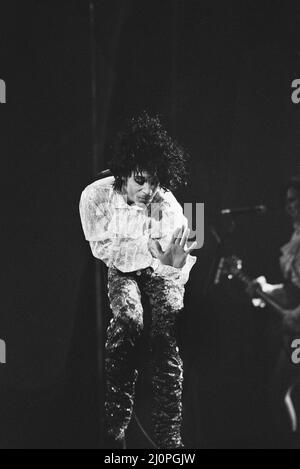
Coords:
pixel 288 296
pixel 135 225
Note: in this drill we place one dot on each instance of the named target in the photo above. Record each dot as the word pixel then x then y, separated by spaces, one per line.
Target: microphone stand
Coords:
pixel 222 242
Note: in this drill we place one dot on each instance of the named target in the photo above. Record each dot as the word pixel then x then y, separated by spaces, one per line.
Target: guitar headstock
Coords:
pixel 229 267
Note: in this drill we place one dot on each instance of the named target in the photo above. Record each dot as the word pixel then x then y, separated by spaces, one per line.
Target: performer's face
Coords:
pixel 141 188
pixel 293 204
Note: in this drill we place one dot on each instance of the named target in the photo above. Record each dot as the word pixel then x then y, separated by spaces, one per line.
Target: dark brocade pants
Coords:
pixel 166 299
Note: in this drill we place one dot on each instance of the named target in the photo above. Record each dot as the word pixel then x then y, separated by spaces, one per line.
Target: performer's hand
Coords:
pixel 177 251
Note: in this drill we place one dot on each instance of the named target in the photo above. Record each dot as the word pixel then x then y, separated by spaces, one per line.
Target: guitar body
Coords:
pixel 231 267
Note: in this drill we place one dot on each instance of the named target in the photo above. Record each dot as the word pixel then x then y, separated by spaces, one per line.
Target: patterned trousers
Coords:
pixel 166 301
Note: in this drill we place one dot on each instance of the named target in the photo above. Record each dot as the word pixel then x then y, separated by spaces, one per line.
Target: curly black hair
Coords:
pixel 144 145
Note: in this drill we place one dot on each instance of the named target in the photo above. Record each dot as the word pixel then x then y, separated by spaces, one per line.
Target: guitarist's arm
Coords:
pixel 287 296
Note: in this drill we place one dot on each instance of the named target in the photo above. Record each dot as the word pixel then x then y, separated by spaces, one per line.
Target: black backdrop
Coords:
pixel 220 75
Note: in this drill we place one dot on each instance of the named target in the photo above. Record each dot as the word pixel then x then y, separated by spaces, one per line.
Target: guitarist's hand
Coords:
pixel 274 291
pixel 259 283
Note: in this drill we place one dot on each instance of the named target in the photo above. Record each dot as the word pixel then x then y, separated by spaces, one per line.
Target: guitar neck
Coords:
pixel 242 277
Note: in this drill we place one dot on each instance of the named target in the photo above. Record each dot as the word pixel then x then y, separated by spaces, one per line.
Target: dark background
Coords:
pixel 219 73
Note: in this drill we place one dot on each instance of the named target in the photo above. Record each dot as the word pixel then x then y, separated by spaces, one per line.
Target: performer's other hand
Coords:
pixel 176 253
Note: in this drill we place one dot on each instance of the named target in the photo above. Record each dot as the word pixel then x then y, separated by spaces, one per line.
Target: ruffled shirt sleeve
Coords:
pixel 181 275
pixel 95 220
pixel 116 233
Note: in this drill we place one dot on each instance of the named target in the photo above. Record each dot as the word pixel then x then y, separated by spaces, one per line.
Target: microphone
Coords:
pixel 258 209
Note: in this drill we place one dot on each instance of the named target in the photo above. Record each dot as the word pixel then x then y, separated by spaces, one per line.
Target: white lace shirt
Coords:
pixel 120 234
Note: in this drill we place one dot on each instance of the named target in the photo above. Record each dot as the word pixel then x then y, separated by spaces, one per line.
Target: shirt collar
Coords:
pixel 120 202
